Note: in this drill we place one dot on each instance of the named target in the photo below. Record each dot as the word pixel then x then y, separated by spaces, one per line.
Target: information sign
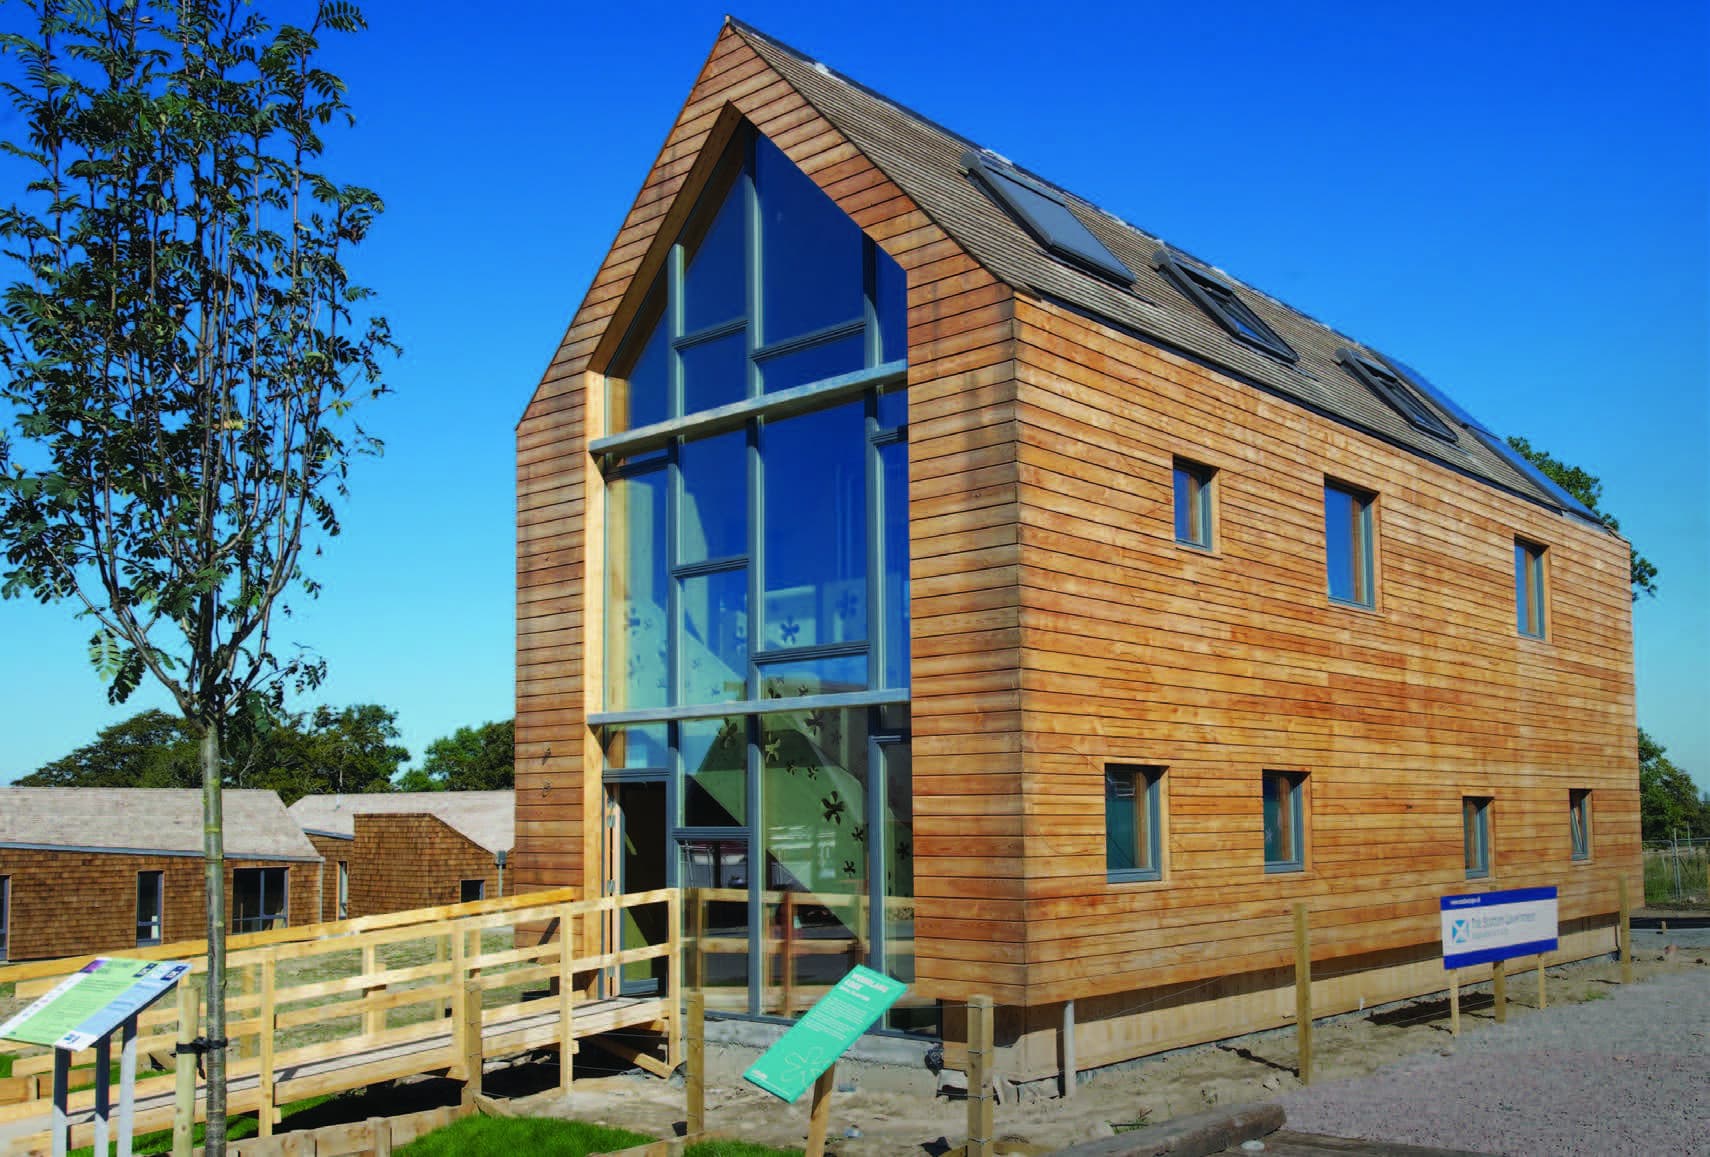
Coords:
pixel 92 1003
pixel 824 1032
pixel 1492 926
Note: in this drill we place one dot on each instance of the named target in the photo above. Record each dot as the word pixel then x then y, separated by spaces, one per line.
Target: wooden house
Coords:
pixel 392 851
pixel 104 869
pixel 936 570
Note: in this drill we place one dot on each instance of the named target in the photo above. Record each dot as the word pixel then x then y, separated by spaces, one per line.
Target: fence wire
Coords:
pixel 1677 872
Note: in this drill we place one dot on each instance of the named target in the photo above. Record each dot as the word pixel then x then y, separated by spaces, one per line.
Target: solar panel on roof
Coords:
pixel 1045 214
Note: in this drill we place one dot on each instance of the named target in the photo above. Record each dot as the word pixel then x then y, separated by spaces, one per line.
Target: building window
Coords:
pixel 1045 213
pixel 1475 835
pixel 151 906
pixel 1193 503
pixel 472 890
pixel 1218 298
pixel 5 914
pixel 1386 383
pixel 344 889
pixel 1579 822
pixel 1285 821
pixel 1132 824
pixel 258 899
pixel 1529 588
pixel 1348 544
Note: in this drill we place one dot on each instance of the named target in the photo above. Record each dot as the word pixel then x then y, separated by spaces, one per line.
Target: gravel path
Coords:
pixel 1629 1074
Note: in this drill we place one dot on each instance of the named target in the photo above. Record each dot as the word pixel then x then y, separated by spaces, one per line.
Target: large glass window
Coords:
pixel 816 534
pixel 151 904
pixel 1348 544
pixel 258 899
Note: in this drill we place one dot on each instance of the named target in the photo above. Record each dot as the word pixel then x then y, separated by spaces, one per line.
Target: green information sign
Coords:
pixel 824 1032
pixel 92 1003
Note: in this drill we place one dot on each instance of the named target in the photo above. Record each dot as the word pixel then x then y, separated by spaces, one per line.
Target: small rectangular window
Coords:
pixel 1475 835
pixel 473 890
pixel 344 889
pixel 258 899
pixel 5 914
pixel 1133 839
pixel 1579 822
pixel 151 904
pixel 1193 503
pixel 1529 588
pixel 1285 825
pixel 1348 544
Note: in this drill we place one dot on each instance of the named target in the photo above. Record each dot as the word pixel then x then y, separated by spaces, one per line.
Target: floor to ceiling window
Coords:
pixel 756 595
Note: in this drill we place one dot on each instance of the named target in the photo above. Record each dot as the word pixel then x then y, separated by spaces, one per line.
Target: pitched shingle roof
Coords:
pixel 925 160
pixel 486 817
pixel 150 821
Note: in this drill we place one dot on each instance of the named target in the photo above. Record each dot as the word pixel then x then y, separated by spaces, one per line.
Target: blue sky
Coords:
pixel 1514 199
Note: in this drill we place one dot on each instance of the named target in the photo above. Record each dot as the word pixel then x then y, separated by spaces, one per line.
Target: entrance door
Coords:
pixel 639 851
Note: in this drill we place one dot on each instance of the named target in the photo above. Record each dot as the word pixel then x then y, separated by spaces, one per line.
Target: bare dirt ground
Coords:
pixel 899 1111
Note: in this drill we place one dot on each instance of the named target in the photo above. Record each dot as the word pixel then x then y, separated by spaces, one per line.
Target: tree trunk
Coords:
pixel 213 842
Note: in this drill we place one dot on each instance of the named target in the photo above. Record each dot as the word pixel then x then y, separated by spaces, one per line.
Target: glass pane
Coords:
pixel 811 274
pixel 1279 819
pixel 912 1013
pixel 1121 821
pixel 641 868
pixel 816 528
pixel 1346 547
pixel 636 592
pixel 816 363
pixel 715 372
pixel 815 833
pixel 893 409
pixel 1523 613
pixel 893 484
pixel 715 498
pixel 891 292
pixel 715 773
pixel 714 652
pixel 715 277
pixel 827 676
pixel 638 389
pixel 714 874
pixel 643 745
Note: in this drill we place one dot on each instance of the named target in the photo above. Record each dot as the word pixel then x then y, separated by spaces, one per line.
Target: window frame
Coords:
pixel 1362 545
pixel 1295 799
pixel 1202 481
pixel 1531 592
pixel 283 911
pixel 1073 243
pixel 1389 385
pixel 1148 822
pixel 1579 824
pixel 1475 834
pixel 159 922
pixel 1218 298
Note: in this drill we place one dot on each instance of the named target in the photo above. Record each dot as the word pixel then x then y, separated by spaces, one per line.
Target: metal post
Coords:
pixel 127 1084
pixel 61 1090
pixel 1068 1049
pixel 103 1092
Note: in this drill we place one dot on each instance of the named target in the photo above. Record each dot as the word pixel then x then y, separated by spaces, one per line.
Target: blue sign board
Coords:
pixel 1491 926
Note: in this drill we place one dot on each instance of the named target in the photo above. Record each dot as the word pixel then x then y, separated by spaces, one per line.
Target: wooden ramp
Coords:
pixel 349 1007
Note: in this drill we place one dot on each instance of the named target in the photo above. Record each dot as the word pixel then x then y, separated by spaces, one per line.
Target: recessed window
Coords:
pixel 5 914
pixel 1475 835
pixel 1529 588
pixel 1348 544
pixel 1285 821
pixel 344 889
pixel 1219 299
pixel 1193 503
pixel 471 890
pixel 1387 384
pixel 1579 822
pixel 151 904
pixel 1044 212
pixel 258 899
pixel 1132 824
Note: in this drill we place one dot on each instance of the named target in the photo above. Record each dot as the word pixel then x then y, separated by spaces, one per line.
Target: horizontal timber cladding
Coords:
pixel 1217 665
pixel 401 862
pixel 966 714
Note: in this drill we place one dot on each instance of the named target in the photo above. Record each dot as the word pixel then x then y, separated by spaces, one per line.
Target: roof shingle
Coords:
pixel 486 817
pixel 150 821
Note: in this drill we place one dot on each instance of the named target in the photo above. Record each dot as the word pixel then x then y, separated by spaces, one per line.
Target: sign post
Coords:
pixel 83 1011
pixel 1492 928
pixel 807 1054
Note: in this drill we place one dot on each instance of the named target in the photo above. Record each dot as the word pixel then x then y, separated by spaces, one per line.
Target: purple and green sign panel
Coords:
pixel 1491 926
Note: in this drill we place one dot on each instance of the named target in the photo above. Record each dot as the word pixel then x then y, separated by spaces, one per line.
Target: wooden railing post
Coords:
pixel 473 1046
pixel 697 933
pixel 1543 1001
pixel 674 978
pixel 241 986
pixel 981 1088
pixel 373 1019
pixel 264 1047
pixel 1626 934
pixel 1499 990
pixel 566 999
pixel 184 1097
pixel 695 1079
pixel 789 954
pixel 1303 991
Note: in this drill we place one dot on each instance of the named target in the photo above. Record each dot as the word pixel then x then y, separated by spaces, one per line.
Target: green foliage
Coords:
pixel 1670 804
pixel 478 758
pixel 504 1136
pixel 152 749
pixel 1588 488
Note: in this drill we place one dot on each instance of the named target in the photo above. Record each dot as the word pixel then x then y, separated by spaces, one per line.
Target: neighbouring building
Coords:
pixel 938 571
pixel 103 869
pixel 392 851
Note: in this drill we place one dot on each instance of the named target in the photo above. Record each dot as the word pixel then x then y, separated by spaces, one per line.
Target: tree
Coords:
pixel 152 749
pixel 1588 488
pixel 328 751
pixel 1670 804
pixel 182 348
pixel 469 759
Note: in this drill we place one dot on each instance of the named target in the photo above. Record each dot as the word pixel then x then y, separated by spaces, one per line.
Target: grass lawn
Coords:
pixel 509 1136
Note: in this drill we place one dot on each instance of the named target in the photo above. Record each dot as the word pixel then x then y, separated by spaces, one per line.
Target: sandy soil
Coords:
pixel 899 1111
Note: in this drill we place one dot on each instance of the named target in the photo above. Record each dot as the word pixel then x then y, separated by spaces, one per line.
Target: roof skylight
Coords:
pixel 1043 212
pixel 1388 385
pixel 1218 298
